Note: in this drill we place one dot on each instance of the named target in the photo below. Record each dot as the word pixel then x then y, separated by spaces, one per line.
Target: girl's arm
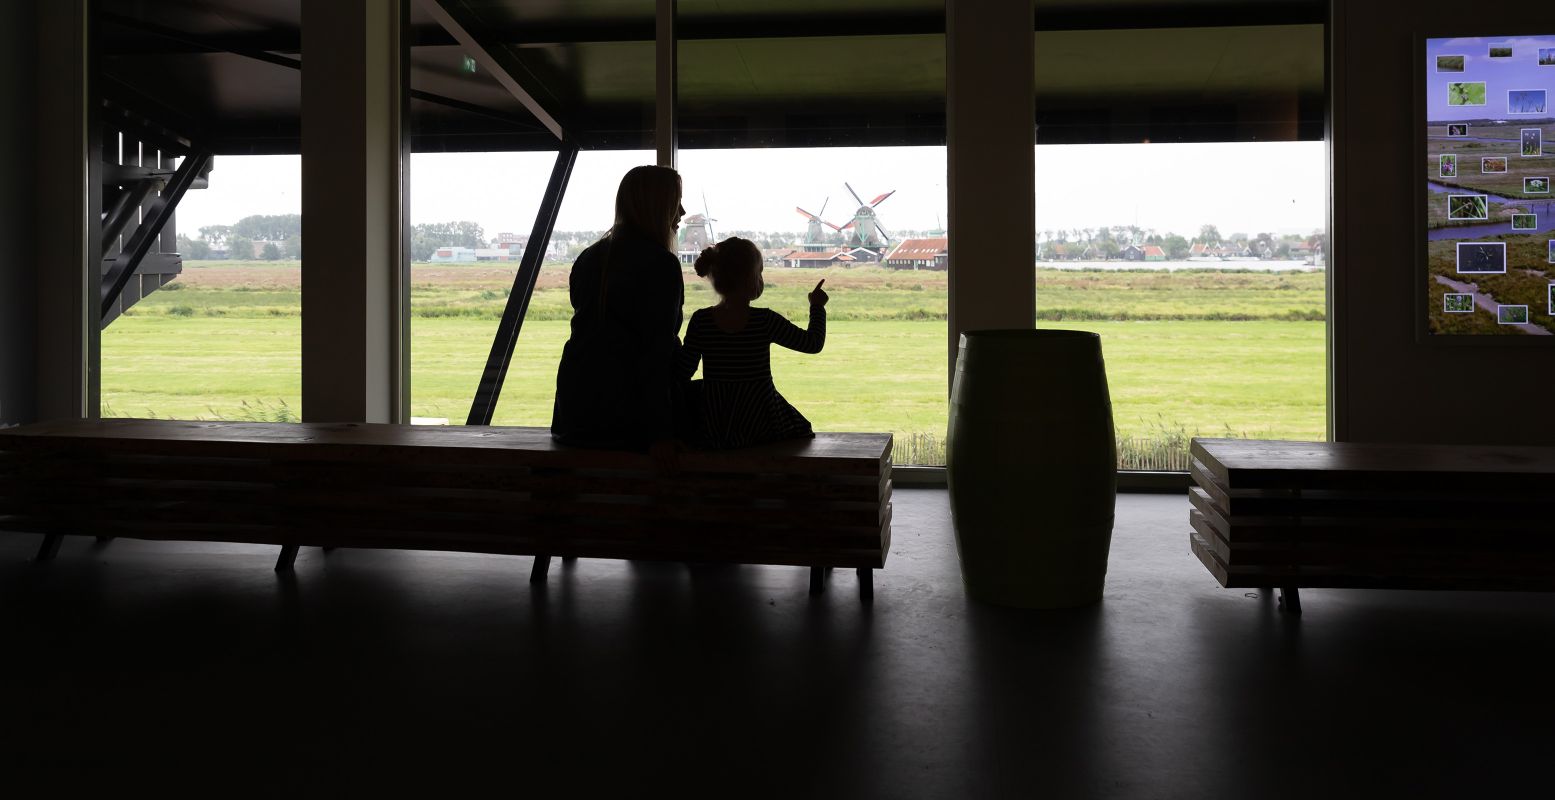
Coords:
pixel 787 334
pixel 690 353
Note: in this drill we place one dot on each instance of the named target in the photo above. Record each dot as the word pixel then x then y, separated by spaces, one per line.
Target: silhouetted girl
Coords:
pixel 736 400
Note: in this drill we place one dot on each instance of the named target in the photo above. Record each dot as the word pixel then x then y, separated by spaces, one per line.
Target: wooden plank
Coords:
pixel 835 453
pixel 820 503
pixel 1255 464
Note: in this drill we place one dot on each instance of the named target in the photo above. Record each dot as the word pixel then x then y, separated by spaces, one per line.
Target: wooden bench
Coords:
pixel 821 503
pixel 1377 516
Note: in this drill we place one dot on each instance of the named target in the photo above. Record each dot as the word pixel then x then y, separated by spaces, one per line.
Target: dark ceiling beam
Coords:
pixel 494 59
pixel 1238 15
pixel 200 44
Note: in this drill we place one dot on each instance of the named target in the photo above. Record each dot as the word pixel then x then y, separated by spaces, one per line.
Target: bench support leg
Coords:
pixel 542 566
pixel 817 580
pixel 866 585
pixel 287 558
pixel 1290 600
pixel 50 546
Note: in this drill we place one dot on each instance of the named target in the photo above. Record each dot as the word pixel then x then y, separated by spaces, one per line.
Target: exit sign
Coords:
pixel 469 65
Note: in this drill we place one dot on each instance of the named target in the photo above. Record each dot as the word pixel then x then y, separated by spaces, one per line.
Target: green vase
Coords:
pixel 1032 467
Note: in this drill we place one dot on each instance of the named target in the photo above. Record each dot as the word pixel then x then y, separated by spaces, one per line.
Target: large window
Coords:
pixel 221 338
pixel 1207 285
pixel 1181 213
pixel 208 323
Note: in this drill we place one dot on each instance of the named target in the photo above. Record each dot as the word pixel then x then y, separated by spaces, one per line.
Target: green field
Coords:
pixel 1197 352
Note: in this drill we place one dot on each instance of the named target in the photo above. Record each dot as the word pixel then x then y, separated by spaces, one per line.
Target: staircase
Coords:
pixel 140 191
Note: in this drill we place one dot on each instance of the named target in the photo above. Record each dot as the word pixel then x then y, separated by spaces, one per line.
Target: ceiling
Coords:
pixel 751 72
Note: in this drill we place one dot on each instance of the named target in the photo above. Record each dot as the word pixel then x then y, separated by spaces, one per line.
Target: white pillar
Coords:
pixel 355 268
pixel 990 114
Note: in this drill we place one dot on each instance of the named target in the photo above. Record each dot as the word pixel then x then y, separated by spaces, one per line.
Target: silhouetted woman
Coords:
pixel 616 386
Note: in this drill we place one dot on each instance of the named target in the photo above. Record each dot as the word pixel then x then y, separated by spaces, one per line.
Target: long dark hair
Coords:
pixel 647 203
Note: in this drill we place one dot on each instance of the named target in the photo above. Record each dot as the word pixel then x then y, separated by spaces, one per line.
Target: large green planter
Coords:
pixel 1032 467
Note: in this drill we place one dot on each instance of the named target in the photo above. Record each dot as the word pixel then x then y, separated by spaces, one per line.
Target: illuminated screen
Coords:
pixel 1490 213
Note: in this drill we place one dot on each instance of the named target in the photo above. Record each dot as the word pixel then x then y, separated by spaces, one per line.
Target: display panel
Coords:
pixel 1489 246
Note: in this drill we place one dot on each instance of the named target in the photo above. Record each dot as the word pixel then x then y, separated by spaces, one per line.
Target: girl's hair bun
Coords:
pixel 706 262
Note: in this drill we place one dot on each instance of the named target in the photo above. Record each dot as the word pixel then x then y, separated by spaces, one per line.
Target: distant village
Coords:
pixel 823 244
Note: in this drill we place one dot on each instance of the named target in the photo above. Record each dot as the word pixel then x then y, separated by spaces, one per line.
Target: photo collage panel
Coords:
pixel 1490 232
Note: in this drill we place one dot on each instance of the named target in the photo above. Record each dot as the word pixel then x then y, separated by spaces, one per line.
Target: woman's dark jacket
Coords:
pixel 616 386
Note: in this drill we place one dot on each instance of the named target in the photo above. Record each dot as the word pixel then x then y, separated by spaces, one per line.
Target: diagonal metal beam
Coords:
pixel 487 61
pixel 150 228
pixel 490 389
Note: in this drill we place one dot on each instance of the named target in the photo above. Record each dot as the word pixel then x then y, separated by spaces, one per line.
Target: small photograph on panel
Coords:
pixel 1458 303
pixel 1468 206
pixel 1536 185
pixel 1466 93
pixel 1447 166
pixel 1533 142
pixel 1491 165
pixel 1458 130
pixel 1511 315
pixel 1483 257
pixel 1449 63
pixel 1525 222
pixel 1500 51
pixel 1525 101
pixel 1546 57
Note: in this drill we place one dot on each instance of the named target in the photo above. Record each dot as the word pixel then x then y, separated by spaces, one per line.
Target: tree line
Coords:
pixel 266 236
pixel 1110 241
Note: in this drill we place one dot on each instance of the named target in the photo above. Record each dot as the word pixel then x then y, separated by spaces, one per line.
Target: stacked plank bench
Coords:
pixel 1344 515
pixel 821 503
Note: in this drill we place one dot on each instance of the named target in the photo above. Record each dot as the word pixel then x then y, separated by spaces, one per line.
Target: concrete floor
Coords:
pixel 166 663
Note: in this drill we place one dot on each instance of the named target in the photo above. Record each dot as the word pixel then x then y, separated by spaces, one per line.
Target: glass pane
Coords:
pixel 884 364
pixel 209 326
pixel 1204 276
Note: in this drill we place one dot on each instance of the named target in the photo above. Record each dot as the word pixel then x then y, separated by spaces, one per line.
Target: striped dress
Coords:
pixel 736 401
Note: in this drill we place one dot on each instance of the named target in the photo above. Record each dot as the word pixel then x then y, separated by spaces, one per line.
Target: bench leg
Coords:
pixel 866 585
pixel 50 546
pixel 542 566
pixel 287 558
pixel 1290 600
pixel 817 580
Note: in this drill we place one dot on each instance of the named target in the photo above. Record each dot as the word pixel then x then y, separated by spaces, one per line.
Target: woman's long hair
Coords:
pixel 647 203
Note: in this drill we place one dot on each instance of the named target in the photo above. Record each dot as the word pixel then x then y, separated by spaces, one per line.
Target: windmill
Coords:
pixel 696 231
pixel 814 237
pixel 867 230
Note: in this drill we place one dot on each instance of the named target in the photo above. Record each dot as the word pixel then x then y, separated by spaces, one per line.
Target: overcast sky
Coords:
pixel 1240 187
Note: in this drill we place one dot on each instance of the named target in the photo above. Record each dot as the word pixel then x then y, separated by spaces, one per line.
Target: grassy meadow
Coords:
pixel 1200 352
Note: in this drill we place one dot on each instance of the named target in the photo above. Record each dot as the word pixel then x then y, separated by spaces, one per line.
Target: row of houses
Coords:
pixel 506 247
pixel 1083 251
pixel 930 252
